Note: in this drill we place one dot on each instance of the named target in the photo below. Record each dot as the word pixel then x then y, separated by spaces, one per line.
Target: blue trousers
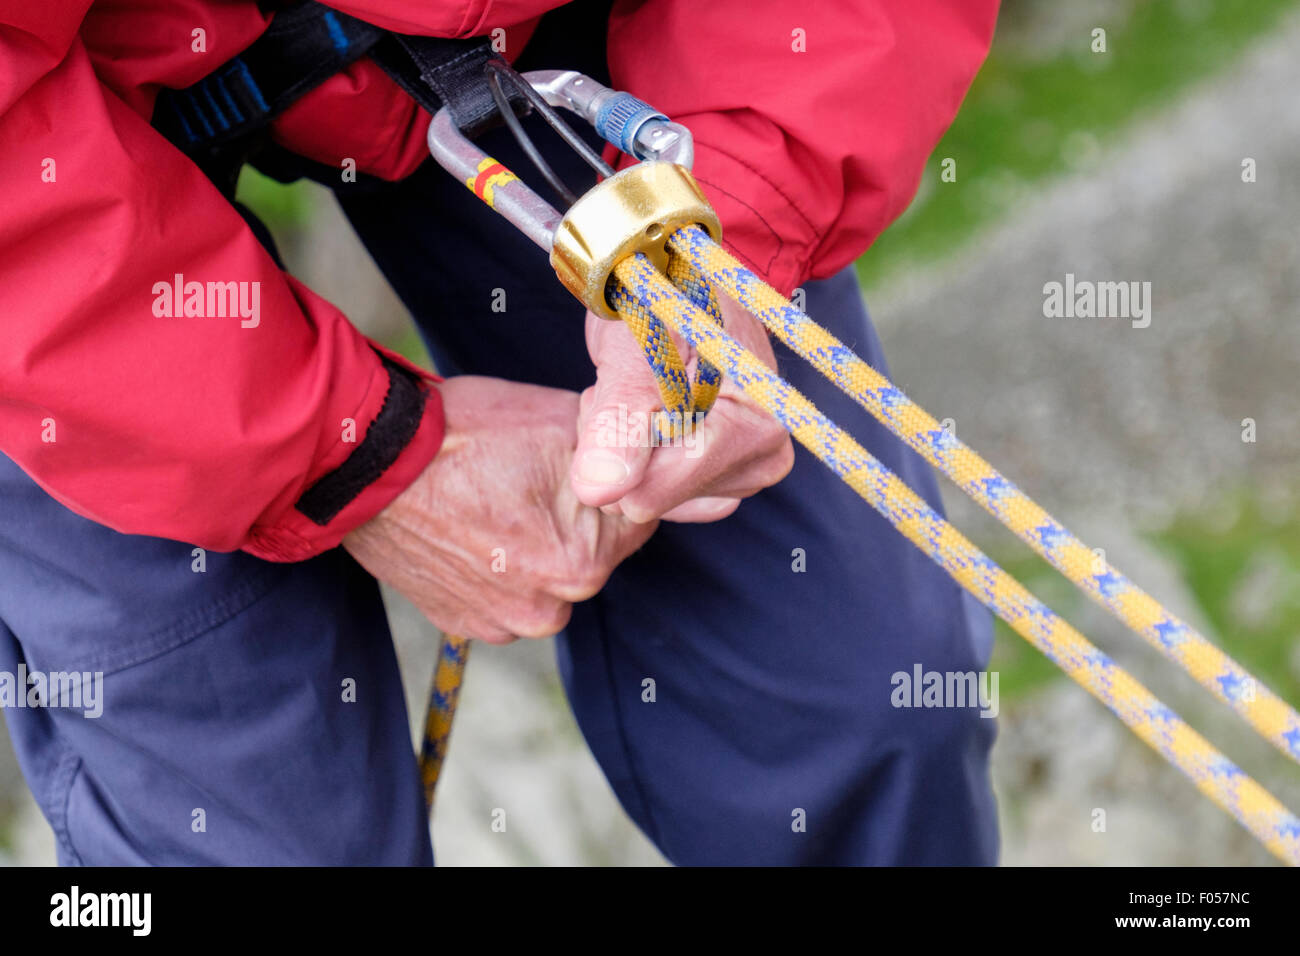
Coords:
pixel 223 689
pixel 226 734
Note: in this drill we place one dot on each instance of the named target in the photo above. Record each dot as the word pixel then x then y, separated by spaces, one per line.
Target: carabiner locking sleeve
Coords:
pixel 631 211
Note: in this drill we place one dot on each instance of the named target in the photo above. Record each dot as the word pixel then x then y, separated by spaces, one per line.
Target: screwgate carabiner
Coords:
pixel 631 211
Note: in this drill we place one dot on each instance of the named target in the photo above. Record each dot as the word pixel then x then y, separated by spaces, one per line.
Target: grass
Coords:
pixel 1244 576
pixel 286 206
pixel 1027 120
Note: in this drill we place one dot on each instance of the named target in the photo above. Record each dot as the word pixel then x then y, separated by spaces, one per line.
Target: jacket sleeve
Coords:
pixel 256 418
pixel 812 121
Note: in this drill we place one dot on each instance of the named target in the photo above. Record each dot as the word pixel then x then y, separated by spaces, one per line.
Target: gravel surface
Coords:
pixel 1114 428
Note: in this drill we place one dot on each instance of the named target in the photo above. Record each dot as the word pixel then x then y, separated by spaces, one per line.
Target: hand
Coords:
pixel 737 451
pixel 500 481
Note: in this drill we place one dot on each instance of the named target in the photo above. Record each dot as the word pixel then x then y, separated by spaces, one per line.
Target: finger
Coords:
pixel 490 634
pixel 736 453
pixel 543 617
pixel 598 545
pixel 674 486
pixel 614 421
pixel 613 448
pixel 621 537
pixel 702 510
pixel 466 625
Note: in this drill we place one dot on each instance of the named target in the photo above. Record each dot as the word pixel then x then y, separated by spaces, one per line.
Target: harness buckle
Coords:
pixel 635 210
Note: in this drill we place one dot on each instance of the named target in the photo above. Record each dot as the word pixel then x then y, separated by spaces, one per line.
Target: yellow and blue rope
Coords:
pixel 642 291
pixel 710 265
pixel 682 403
pixel 651 307
pixel 448 672
pixel 680 400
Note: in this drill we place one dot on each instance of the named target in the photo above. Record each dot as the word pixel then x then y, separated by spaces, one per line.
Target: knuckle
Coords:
pixel 553 620
pixel 774 435
pixel 585 580
pixel 560 618
pixel 587 563
pixel 638 513
pixel 478 627
pixel 541 617
pixel 786 457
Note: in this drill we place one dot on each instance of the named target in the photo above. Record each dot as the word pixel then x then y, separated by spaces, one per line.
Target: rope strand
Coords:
pixel 642 290
pixel 1178 641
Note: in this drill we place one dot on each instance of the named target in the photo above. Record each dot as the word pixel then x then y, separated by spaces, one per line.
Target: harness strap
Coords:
pixel 305 45
pixel 437 72
pixel 220 121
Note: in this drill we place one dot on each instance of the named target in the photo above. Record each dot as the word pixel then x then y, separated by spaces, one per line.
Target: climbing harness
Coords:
pixel 223 120
pixel 642 246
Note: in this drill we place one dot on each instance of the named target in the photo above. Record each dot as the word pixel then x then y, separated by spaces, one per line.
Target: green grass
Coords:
pixel 279 205
pixel 1222 566
pixel 1026 120
pixel 1246 579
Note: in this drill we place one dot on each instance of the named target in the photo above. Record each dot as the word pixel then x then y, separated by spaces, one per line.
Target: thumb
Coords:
pixel 613 437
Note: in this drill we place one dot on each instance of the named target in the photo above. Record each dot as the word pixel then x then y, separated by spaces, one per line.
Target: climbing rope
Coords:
pixel 642 292
pixel 602 250
pixel 706 263
pixel 685 302
pixel 448 673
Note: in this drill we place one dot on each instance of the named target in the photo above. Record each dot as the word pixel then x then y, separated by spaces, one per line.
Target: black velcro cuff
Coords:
pixel 390 432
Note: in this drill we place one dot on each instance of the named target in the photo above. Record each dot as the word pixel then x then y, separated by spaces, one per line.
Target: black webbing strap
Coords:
pixel 452 70
pixel 390 432
pixel 306 43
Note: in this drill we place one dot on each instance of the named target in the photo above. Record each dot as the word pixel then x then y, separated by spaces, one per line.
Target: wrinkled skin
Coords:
pixel 525 511
pixel 742 449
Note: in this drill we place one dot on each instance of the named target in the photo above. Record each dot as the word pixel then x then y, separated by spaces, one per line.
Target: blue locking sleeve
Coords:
pixel 621 116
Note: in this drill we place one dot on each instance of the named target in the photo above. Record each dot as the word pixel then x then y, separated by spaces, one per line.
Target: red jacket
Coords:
pixel 207 431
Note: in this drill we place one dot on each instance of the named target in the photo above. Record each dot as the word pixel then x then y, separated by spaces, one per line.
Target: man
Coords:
pixel 179 479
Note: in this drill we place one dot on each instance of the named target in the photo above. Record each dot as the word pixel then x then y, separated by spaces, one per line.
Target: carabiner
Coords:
pixel 634 210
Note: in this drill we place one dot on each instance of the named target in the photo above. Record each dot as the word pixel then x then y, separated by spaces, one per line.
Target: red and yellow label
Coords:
pixel 491 174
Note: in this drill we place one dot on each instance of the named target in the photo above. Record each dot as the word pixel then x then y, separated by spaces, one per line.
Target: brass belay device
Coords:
pixel 641 246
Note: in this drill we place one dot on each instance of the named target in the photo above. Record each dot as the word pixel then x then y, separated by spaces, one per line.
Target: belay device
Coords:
pixel 642 246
